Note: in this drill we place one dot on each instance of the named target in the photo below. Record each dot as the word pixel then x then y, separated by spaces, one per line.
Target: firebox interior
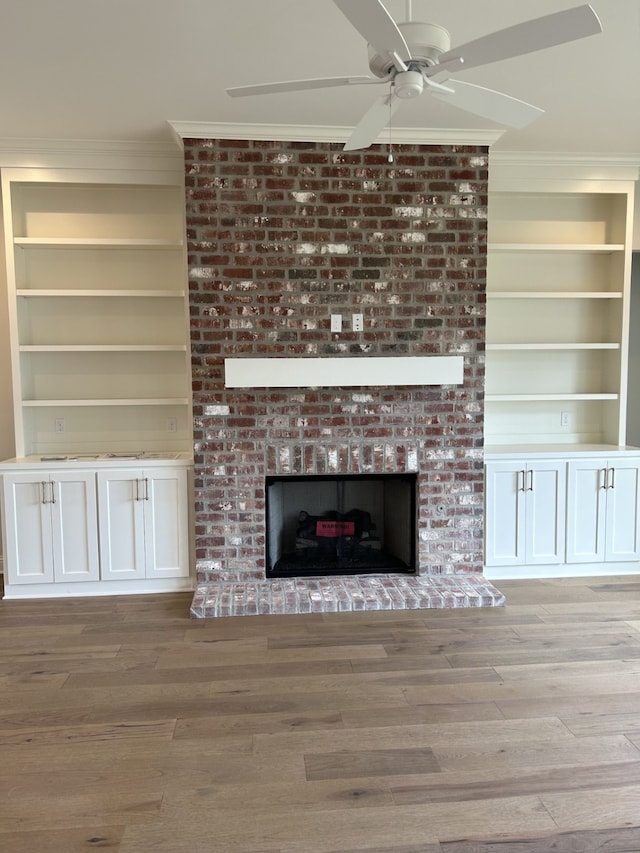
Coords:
pixel 348 524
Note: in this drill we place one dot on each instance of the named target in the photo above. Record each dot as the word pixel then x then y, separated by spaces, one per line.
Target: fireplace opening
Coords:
pixel 337 525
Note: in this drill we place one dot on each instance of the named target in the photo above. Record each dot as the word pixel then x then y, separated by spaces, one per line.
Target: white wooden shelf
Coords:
pixel 137 401
pixel 102 293
pixel 95 243
pixel 556 294
pixel 587 248
pixel 532 398
pixel 554 346
pixel 53 348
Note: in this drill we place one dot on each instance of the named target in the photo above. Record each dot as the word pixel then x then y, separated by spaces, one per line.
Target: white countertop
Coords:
pixel 92 460
pixel 556 451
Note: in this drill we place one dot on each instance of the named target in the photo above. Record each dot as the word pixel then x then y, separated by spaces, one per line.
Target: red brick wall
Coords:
pixel 281 235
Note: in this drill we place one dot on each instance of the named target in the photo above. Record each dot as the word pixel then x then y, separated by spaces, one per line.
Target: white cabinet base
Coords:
pixel 563 570
pixel 594 496
pixel 67 536
pixel 97 588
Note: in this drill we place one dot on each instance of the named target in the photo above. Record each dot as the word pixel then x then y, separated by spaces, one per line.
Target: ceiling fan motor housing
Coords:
pixel 426 42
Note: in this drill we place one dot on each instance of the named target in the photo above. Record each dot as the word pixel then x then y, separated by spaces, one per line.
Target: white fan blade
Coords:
pixel 299 85
pixel 489 104
pixel 550 30
pixel 372 122
pixel 376 25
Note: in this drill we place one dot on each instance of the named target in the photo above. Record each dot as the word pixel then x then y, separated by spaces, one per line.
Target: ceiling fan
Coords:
pixel 408 57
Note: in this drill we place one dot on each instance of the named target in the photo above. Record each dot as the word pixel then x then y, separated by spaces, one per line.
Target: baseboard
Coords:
pixel 564 570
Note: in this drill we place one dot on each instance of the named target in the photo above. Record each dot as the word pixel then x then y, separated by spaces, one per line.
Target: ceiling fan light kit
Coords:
pixel 409 55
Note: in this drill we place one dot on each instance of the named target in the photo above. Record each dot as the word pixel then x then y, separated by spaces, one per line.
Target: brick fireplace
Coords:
pixel 281 236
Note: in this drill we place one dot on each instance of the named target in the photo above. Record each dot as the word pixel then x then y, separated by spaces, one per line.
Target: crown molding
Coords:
pixel 89 153
pixel 324 133
pixel 566 165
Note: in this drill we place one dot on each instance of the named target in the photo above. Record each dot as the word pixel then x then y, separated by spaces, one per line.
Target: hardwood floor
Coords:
pixel 126 726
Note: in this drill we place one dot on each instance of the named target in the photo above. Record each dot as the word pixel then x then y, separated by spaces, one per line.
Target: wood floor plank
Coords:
pixel 334 831
pixel 81 810
pixel 567 707
pixel 406 715
pixel 591 841
pixel 351 793
pixel 485 783
pixel 490 734
pixel 350 764
pixel 267 723
pixel 616 748
pixel 155 730
pixel 595 809
pixel 530 690
pixel 71 840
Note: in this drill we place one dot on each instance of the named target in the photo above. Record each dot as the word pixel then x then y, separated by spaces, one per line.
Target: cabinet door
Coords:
pixel 545 512
pixel 166 523
pixel 74 528
pixel 121 525
pixel 28 529
pixel 623 510
pixel 504 516
pixel 586 511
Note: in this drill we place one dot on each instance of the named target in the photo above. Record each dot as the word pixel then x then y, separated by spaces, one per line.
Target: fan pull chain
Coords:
pixel 390 155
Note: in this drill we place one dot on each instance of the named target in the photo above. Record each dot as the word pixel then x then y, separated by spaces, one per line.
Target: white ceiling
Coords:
pixel 121 69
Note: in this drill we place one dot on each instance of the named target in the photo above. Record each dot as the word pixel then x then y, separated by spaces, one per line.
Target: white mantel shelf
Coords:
pixel 341 372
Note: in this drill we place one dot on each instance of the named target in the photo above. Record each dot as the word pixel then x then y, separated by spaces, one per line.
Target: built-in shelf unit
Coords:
pixel 557 312
pixel 96 280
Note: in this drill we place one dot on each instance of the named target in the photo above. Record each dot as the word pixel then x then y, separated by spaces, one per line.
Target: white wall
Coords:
pixel 636 221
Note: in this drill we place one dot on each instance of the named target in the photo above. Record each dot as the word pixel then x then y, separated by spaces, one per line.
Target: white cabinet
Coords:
pixel 524 519
pixel 558 282
pixel 143 524
pixel 101 529
pixel 96 278
pixel 50 527
pixel 603 510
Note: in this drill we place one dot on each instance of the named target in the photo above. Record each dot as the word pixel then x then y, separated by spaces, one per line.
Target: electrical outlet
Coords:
pixel 357 322
pixel 59 425
pixel 172 425
pixel 336 322
pixel 564 419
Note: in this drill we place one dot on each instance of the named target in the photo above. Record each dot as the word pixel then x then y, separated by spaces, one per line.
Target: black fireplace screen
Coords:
pixel 350 524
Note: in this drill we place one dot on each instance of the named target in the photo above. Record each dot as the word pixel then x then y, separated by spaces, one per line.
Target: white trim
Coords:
pixel 86 153
pixel 563 570
pixel 82 589
pixel 564 166
pixel 343 372
pixel 321 133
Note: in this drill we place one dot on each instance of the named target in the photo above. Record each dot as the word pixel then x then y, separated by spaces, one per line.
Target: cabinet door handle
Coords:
pixel 530 472
pixel 48 495
pixel 146 488
pixel 605 478
pixel 612 481
pixel 522 488
pixel 137 497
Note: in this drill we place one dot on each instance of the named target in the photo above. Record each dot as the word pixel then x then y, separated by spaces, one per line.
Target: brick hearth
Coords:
pixel 281 236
